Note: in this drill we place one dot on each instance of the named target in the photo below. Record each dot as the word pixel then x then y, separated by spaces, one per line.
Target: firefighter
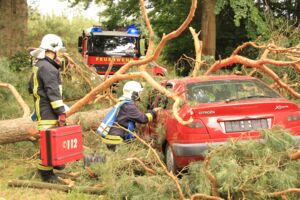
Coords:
pixel 127 115
pixel 45 86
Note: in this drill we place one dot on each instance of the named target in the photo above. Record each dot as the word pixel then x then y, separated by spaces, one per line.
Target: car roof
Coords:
pixel 209 78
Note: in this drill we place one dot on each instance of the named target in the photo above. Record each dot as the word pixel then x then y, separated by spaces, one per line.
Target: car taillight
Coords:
pixel 292 118
pixel 195 124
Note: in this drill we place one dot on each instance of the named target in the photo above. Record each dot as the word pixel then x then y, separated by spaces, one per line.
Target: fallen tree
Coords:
pixel 23 129
pixel 23 126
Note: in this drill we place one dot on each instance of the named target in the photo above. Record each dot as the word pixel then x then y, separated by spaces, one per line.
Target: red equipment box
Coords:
pixel 61 145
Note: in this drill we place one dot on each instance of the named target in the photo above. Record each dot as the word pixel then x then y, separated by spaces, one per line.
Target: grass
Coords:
pixel 18 161
pixel 120 178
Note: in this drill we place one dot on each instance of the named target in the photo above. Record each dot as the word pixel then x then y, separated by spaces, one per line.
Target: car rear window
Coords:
pixel 227 90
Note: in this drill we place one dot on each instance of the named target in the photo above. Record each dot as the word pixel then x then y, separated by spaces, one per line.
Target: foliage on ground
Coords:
pixel 249 170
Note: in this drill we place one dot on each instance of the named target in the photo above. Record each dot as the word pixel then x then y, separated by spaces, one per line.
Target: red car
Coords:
pixel 222 107
pixel 156 69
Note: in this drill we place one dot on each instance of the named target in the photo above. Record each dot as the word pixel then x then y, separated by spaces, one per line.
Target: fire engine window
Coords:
pixel 113 46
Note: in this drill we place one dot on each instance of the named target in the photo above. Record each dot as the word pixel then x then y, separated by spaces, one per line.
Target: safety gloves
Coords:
pixel 62 119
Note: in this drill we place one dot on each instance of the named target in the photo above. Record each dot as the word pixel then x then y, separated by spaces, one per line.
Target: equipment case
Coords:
pixel 61 145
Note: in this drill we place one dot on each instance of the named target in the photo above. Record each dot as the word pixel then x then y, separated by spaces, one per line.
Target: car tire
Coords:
pixel 169 159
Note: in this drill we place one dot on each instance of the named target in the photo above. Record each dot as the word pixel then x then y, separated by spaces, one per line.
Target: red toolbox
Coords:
pixel 61 145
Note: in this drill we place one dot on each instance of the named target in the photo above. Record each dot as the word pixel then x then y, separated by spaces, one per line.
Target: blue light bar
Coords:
pixel 132 29
pixel 94 30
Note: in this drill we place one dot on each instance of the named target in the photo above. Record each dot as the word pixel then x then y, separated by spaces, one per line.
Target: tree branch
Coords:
pixel 24 106
pixel 281 193
pixel 119 75
pixel 170 174
pixel 211 178
pixel 260 64
pixel 204 196
pixel 143 165
pixel 295 155
pixel 198 50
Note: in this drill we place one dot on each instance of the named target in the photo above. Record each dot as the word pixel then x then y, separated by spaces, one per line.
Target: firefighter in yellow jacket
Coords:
pixel 45 86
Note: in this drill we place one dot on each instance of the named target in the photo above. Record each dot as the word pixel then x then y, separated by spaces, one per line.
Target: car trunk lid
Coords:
pixel 240 119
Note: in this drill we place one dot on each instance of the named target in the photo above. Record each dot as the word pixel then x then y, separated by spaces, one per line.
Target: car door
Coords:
pixel 154 129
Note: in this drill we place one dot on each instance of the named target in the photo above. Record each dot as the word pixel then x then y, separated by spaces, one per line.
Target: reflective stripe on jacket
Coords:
pixel 128 113
pixel 45 85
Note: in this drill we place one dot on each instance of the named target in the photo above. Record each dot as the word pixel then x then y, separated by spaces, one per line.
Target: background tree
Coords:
pixel 13 26
pixel 67 29
pixel 213 17
pixel 208 27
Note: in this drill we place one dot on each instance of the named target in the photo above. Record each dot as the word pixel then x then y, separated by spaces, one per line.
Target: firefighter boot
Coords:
pixel 112 147
pixel 59 167
pixel 48 176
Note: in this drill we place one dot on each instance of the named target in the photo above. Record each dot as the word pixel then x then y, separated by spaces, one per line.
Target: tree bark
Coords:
pixel 23 129
pixel 13 26
pixel 297 13
pixel 208 27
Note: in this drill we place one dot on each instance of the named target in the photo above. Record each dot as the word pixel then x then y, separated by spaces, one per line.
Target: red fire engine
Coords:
pixel 99 48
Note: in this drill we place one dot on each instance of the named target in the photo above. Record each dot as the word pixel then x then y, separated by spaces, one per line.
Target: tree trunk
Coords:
pixel 22 129
pixel 208 27
pixel 13 26
pixel 297 13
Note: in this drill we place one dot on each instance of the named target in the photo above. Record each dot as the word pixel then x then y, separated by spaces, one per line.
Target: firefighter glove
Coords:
pixel 62 120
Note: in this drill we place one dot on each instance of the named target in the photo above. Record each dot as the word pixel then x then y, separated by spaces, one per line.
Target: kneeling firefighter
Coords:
pixel 45 86
pixel 125 114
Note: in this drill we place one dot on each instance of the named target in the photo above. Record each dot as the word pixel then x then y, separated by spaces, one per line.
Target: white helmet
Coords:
pixel 49 42
pixel 52 42
pixel 130 87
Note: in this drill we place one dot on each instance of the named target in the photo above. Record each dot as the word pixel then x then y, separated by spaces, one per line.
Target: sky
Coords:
pixel 56 7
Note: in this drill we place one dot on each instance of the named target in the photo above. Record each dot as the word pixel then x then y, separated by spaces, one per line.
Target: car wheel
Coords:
pixel 169 159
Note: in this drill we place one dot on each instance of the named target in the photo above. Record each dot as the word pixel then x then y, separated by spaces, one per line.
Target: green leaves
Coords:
pixel 245 10
pixel 252 169
pixel 68 30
